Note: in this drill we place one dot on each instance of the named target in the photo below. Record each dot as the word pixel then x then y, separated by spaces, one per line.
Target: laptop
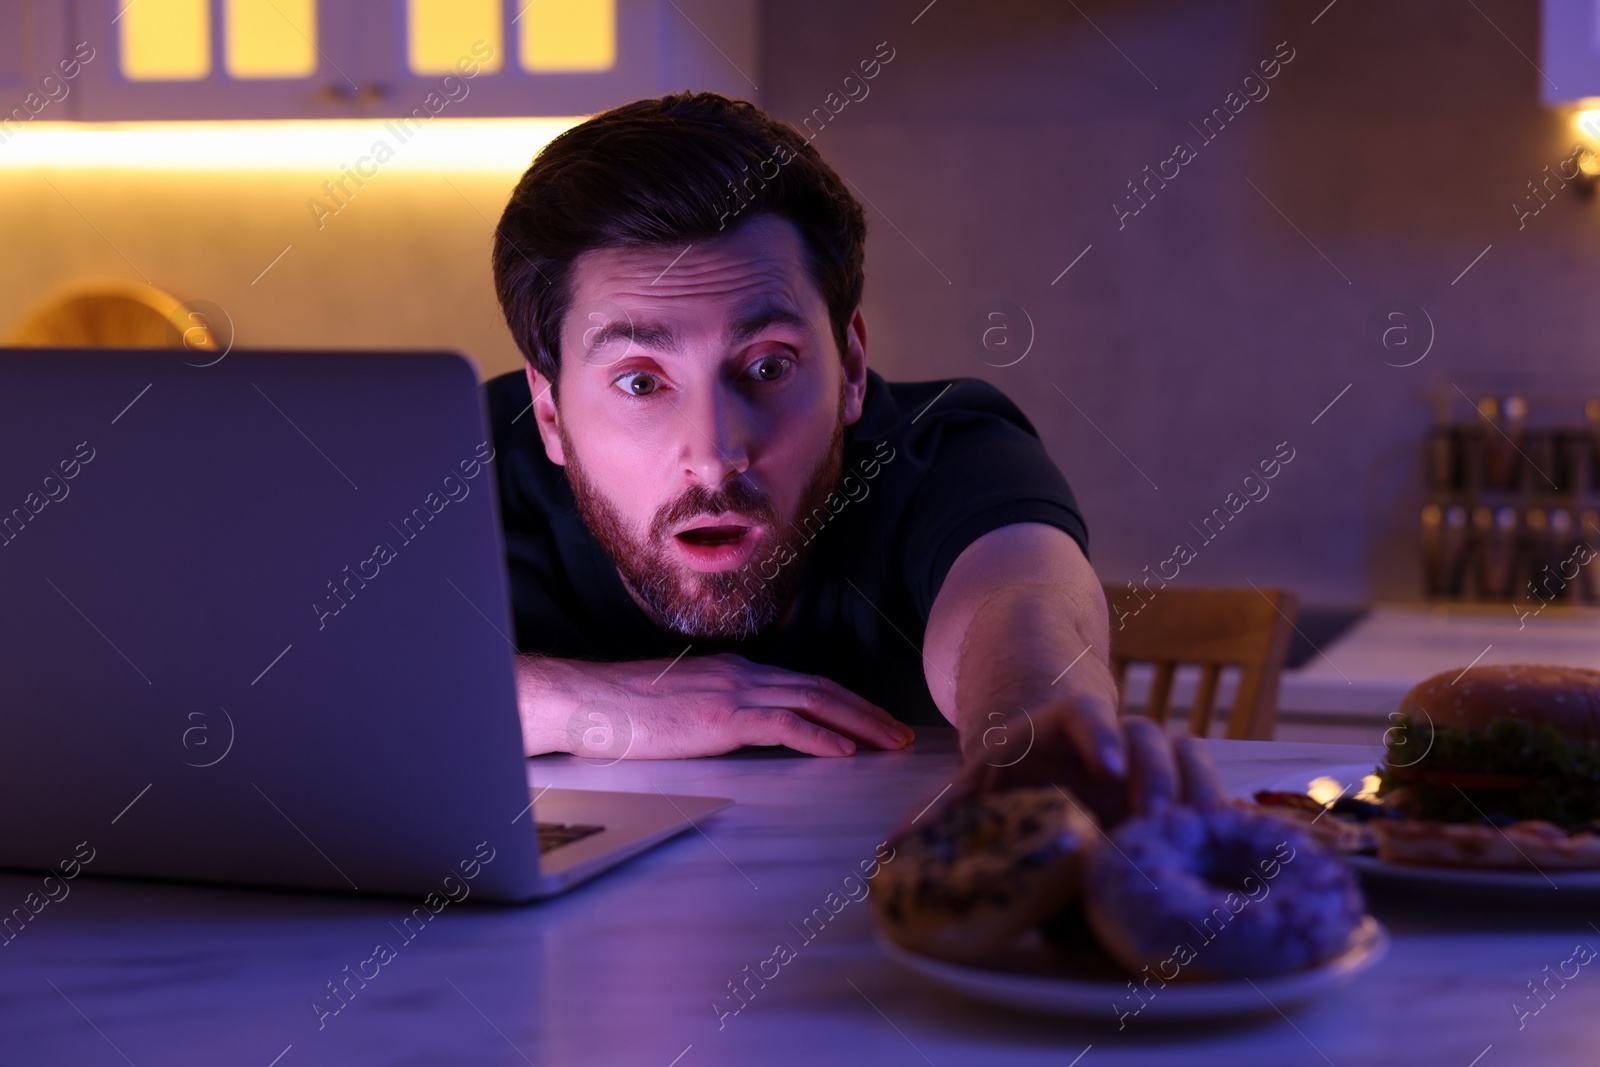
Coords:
pixel 257 632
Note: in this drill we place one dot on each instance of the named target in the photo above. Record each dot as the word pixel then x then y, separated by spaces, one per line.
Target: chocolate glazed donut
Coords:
pixel 975 878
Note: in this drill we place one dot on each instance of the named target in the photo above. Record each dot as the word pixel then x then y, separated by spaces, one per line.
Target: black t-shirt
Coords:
pixel 929 468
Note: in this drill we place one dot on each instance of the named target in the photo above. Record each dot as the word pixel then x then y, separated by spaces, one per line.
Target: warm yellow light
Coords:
pixel 1325 790
pixel 271 38
pixel 166 40
pixel 443 34
pixel 567 35
pixel 497 146
pixel 1586 124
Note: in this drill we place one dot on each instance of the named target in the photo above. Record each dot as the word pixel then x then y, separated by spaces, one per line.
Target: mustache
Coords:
pixel 737 495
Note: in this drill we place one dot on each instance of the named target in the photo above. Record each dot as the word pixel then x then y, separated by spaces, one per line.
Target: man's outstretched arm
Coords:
pixel 1016 656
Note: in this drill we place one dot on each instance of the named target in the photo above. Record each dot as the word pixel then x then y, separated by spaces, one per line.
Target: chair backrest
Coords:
pixel 1212 629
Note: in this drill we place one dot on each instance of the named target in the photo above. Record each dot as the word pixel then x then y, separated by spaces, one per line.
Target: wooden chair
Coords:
pixel 1211 628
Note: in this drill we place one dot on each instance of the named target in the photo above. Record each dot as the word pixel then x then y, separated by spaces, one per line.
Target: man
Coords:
pixel 723 529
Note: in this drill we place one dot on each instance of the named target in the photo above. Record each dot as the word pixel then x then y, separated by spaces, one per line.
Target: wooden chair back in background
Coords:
pixel 1212 629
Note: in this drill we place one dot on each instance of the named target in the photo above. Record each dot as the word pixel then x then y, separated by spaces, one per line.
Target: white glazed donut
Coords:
pixel 1228 893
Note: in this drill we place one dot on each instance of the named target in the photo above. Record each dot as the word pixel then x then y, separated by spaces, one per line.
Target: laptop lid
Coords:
pixel 257 628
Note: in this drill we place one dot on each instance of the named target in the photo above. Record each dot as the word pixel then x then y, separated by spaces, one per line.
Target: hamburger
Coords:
pixel 1495 766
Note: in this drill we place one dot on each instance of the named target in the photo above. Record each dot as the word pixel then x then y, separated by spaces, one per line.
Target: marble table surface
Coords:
pixel 1363 674
pixel 629 969
pixel 1374 664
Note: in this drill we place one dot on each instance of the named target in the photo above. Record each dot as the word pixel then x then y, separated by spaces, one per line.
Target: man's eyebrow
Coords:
pixel 643 334
pixel 751 321
pixel 659 337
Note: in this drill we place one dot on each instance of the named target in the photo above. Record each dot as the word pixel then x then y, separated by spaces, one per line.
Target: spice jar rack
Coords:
pixel 1513 506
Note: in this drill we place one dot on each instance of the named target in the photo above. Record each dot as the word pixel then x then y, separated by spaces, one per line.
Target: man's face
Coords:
pixel 702 409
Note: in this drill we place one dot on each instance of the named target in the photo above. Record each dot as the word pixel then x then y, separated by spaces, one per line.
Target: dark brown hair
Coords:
pixel 669 171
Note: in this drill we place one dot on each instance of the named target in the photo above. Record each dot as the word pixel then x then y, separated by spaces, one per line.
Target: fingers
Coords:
pixel 1153 771
pixel 754 704
pixel 1161 771
pixel 894 726
pixel 1171 771
pixel 897 733
pixel 830 705
pixel 1094 729
pixel 1202 786
pixel 780 726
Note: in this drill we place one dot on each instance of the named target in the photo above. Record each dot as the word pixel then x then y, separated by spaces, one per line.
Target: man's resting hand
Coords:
pixel 696 706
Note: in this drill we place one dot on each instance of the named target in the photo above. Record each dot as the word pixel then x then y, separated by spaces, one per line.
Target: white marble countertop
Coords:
pixel 1373 665
pixel 1365 672
pixel 625 970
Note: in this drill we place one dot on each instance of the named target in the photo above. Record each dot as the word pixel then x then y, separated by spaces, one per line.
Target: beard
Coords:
pixel 715 605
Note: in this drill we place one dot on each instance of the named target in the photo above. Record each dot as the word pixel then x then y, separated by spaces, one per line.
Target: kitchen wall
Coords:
pixel 1189 341
pixel 404 264
pixel 1195 337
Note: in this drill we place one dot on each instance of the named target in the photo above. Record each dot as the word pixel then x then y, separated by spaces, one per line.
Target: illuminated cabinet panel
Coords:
pixel 568 35
pixel 299 59
pixel 270 38
pixel 440 34
pixel 165 40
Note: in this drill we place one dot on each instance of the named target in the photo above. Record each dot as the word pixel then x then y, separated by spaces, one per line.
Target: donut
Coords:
pixel 970 881
pixel 1224 893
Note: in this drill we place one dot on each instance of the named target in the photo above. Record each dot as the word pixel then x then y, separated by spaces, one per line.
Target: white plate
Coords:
pixel 1470 878
pixel 1032 980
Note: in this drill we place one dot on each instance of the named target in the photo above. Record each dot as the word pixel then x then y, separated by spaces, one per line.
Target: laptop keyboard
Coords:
pixel 555 834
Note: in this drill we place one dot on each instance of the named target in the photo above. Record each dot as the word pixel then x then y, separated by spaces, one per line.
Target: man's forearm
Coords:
pixel 690 706
pixel 1017 655
pixel 1027 646
pixel 546 693
pixel 1019 626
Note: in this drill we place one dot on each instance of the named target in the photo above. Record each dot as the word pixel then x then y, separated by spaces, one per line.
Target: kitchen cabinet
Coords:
pixel 216 59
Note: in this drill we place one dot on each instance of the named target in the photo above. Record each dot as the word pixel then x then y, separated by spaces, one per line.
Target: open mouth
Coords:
pixel 720 541
pixel 712 536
